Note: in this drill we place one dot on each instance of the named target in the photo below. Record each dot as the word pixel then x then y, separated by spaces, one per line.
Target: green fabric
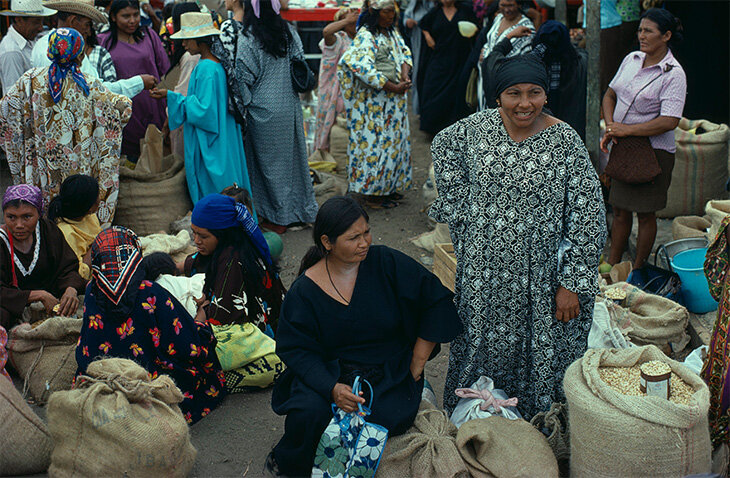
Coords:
pixel 241 344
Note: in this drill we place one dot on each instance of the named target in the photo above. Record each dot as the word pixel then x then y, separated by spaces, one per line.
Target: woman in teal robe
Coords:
pixel 214 155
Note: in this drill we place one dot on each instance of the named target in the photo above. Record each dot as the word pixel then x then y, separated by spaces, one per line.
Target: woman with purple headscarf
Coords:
pixel 36 262
pixel 55 122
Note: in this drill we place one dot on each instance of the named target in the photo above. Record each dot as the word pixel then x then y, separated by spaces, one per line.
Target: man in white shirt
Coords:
pixel 79 15
pixel 17 45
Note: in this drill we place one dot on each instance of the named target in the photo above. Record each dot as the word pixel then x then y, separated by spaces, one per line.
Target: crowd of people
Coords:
pixel 503 96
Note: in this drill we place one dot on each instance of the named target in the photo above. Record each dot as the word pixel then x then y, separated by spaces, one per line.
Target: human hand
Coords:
pixel 618 130
pixel 521 31
pixel 48 300
pixel 352 16
pixel 147 8
pixel 345 399
pixel 416 369
pixel 200 317
pixel 149 81
pixel 430 42
pixel 402 87
pixel 69 303
pixel 158 94
pixel 567 306
pixel 411 23
pixel 605 141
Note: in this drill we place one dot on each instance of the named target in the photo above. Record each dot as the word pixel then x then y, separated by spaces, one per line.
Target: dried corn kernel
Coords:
pixel 625 380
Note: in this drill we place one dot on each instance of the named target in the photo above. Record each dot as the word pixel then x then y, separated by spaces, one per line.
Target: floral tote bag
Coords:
pixel 350 447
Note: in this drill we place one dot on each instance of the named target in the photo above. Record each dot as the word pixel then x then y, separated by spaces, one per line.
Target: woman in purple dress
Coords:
pixel 136 50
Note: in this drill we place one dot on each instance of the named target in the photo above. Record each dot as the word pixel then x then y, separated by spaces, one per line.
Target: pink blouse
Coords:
pixel 665 96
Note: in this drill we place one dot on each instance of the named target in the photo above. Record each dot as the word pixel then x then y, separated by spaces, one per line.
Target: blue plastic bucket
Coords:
pixel 690 266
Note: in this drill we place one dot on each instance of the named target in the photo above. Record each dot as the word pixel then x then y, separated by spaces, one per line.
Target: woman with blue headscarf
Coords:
pixel 242 291
pixel 55 122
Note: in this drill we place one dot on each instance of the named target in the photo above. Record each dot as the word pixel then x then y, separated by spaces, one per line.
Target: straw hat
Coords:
pixel 85 8
pixel 27 8
pixel 195 25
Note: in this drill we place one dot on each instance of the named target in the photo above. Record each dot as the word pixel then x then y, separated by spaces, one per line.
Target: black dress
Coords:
pixel 439 89
pixel 323 342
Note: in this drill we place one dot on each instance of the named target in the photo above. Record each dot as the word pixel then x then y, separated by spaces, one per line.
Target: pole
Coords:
pixel 593 93
pixel 561 11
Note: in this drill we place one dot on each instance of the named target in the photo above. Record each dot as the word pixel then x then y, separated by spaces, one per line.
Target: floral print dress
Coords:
pixel 329 96
pixel 45 142
pixel 162 337
pixel 379 151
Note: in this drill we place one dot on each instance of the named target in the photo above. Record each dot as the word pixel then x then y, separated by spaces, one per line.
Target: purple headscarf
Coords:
pixel 25 192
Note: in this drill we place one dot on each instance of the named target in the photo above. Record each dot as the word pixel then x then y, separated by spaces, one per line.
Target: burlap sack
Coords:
pixel 439 235
pixel 45 355
pixel 652 319
pixel 555 422
pixel 118 422
pixel 685 227
pixel 426 450
pixel 148 203
pixel 151 160
pixel 499 447
pixel 26 443
pixel 328 186
pixel 612 434
pixel 339 141
pixel 716 210
pixel 700 167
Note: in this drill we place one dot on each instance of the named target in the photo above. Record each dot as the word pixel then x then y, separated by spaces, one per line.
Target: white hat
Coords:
pixel 27 8
pixel 85 8
pixel 195 25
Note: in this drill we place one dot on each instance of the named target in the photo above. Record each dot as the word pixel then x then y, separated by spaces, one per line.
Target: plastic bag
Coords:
pixel 471 407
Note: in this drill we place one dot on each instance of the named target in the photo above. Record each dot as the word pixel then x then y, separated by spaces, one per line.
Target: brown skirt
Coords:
pixel 648 197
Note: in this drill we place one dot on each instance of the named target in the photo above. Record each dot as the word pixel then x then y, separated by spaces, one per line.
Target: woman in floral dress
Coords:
pixel 374 76
pixel 126 316
pixel 76 128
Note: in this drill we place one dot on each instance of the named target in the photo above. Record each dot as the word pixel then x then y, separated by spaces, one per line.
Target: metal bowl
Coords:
pixel 665 253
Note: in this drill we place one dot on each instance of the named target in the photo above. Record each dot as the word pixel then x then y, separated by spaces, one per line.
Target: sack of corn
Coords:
pixel 26 443
pixel 554 423
pixel 118 422
pixel 700 167
pixel 427 449
pixel 649 319
pixel 44 355
pixel 339 142
pixel 684 227
pixel 716 211
pixel 499 447
pixel 616 431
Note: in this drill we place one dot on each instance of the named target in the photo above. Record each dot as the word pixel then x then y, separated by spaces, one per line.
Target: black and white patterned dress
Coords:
pixel 510 208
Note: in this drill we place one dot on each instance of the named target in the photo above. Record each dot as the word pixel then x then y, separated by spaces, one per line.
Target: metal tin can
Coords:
pixel 653 383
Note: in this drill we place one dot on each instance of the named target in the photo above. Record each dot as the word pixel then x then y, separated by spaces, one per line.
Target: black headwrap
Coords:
pixel 520 69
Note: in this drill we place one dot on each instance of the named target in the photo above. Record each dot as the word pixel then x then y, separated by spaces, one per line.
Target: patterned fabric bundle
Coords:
pixel 64 46
pixel 115 257
pixel 715 369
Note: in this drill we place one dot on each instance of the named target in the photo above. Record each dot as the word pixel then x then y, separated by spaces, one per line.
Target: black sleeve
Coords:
pixel 299 347
pixel 427 306
pixel 67 263
pixel 426 22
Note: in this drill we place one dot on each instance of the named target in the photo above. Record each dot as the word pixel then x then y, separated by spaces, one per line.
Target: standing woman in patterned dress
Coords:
pixel 374 76
pixel 526 216
pixel 257 54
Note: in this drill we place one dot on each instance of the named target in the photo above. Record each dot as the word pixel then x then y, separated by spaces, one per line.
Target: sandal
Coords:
pixel 396 196
pixel 382 204
pixel 270 226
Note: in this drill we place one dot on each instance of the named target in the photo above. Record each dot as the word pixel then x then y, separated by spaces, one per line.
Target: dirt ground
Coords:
pixel 236 438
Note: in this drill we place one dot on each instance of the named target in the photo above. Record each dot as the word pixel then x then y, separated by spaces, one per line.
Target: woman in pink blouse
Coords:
pixel 645 98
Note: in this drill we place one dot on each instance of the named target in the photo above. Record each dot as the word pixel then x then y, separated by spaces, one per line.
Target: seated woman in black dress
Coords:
pixel 36 262
pixel 354 310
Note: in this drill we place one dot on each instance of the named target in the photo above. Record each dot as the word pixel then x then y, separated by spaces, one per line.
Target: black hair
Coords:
pixel 116 7
pixel 102 3
pixel 177 48
pixel 666 22
pixel 78 194
pixel 63 16
pixel 270 29
pixel 239 194
pixel 156 264
pixel 370 20
pixel 334 218
pixel 250 259
pixel 17 203
pixel 206 40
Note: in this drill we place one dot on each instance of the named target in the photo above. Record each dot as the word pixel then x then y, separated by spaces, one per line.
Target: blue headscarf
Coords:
pixel 217 211
pixel 64 46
